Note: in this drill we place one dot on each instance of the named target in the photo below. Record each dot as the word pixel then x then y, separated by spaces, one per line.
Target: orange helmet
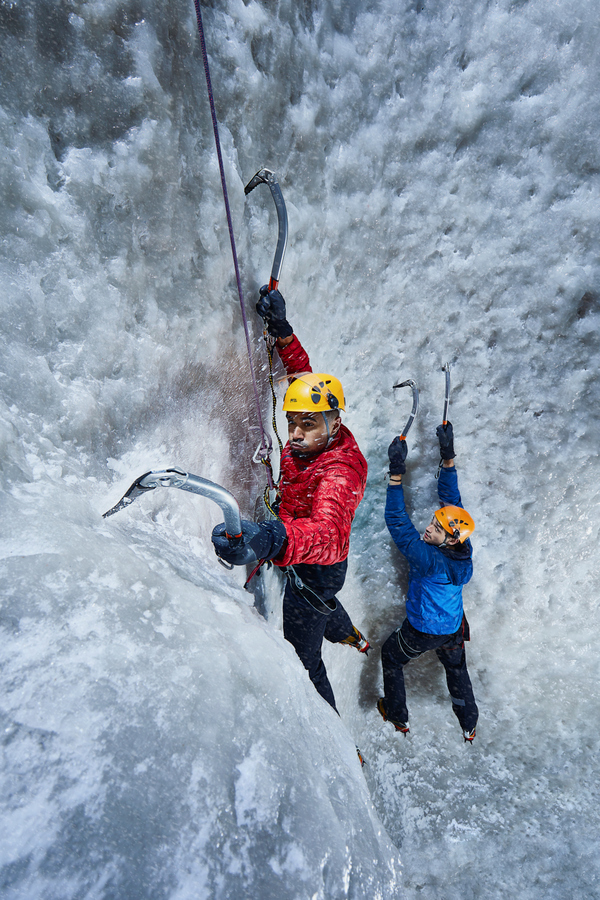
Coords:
pixel 456 521
pixel 314 392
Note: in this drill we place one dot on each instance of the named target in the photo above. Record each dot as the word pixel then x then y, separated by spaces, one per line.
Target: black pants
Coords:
pixel 305 629
pixel 407 643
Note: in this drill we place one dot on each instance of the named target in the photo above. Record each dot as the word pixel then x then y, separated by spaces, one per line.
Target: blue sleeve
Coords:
pixel 448 487
pixel 406 537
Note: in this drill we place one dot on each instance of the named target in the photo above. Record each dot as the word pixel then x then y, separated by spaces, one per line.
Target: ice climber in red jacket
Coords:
pixel 323 477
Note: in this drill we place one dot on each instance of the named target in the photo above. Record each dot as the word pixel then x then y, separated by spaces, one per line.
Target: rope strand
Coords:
pixel 266 444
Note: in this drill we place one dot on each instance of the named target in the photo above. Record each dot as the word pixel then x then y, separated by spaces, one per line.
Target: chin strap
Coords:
pixel 330 436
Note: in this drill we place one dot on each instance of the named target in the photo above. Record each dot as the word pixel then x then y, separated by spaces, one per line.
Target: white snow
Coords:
pixel 440 163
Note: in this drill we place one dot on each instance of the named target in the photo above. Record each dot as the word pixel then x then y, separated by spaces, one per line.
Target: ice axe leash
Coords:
pixel 194 484
pixel 415 406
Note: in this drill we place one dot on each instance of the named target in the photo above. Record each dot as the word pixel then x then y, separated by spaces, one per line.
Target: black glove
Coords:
pixel 258 541
pixel 446 439
pixel 271 308
pixel 397 452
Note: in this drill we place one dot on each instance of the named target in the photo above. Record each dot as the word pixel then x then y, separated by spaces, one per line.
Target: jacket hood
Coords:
pixel 460 552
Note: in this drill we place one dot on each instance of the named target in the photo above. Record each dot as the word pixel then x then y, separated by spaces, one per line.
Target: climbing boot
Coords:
pixel 358 640
pixel 399 726
pixel 468 735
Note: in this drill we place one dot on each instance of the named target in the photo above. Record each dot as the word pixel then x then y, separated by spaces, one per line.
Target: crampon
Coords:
pixel 399 726
pixel 358 640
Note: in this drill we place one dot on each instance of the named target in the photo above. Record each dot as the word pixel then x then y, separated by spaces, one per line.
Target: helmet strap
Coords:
pixel 329 438
pixel 330 435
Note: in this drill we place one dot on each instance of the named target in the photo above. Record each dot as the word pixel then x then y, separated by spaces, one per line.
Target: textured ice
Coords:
pixel 440 164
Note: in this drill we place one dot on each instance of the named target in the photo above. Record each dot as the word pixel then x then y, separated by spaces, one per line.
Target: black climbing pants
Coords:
pixel 407 643
pixel 305 629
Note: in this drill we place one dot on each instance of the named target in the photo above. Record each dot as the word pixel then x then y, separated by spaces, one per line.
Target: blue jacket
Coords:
pixel 437 574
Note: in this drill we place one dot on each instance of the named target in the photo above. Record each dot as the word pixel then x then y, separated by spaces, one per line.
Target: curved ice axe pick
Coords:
pixel 446 369
pixel 415 407
pixel 265 176
pixel 176 477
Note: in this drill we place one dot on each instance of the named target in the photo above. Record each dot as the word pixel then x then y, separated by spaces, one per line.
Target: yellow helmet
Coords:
pixel 456 521
pixel 314 392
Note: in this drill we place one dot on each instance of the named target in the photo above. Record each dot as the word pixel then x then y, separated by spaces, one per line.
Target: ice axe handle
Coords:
pixel 266 176
pixel 447 394
pixel 415 407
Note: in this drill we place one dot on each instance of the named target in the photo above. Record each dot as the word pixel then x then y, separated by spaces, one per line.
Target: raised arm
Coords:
pixel 271 308
pixel 448 481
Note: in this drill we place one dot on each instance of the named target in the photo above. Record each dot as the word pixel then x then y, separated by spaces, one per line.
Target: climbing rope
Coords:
pixel 273 483
pixel 264 450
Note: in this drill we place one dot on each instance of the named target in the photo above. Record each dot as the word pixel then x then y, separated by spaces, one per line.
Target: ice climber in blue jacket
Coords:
pixel 439 565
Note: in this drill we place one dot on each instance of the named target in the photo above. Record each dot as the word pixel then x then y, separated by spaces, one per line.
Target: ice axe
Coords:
pixel 415 407
pixel 265 176
pixel 446 369
pixel 185 481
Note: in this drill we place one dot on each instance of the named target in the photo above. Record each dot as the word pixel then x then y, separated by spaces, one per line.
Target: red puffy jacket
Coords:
pixel 319 496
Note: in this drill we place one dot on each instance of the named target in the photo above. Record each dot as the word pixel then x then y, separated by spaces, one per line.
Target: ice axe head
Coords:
pixel 415 407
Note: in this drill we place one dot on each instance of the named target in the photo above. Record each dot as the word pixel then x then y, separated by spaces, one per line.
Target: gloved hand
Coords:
pixel 258 541
pixel 271 308
pixel 446 438
pixel 397 452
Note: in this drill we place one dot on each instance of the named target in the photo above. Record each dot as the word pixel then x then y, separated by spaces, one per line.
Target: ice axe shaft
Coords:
pixel 185 481
pixel 446 369
pixel 265 176
pixel 415 407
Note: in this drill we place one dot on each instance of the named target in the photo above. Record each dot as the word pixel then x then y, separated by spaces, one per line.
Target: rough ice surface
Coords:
pixel 441 166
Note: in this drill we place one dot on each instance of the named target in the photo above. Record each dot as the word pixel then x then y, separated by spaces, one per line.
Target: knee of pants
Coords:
pixel 452 659
pixel 391 653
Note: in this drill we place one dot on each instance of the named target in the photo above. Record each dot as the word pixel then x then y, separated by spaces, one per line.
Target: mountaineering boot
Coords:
pixel 361 758
pixel 468 735
pixel 399 726
pixel 358 640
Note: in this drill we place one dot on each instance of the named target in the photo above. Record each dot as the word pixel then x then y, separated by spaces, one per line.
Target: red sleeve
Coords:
pixel 324 536
pixel 294 357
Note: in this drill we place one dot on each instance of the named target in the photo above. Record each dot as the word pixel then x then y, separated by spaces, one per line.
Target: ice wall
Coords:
pixel 440 166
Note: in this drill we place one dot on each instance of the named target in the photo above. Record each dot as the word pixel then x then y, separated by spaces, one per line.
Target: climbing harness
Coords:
pixel 318 603
pixel 265 447
pixel 415 407
pixel 185 481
